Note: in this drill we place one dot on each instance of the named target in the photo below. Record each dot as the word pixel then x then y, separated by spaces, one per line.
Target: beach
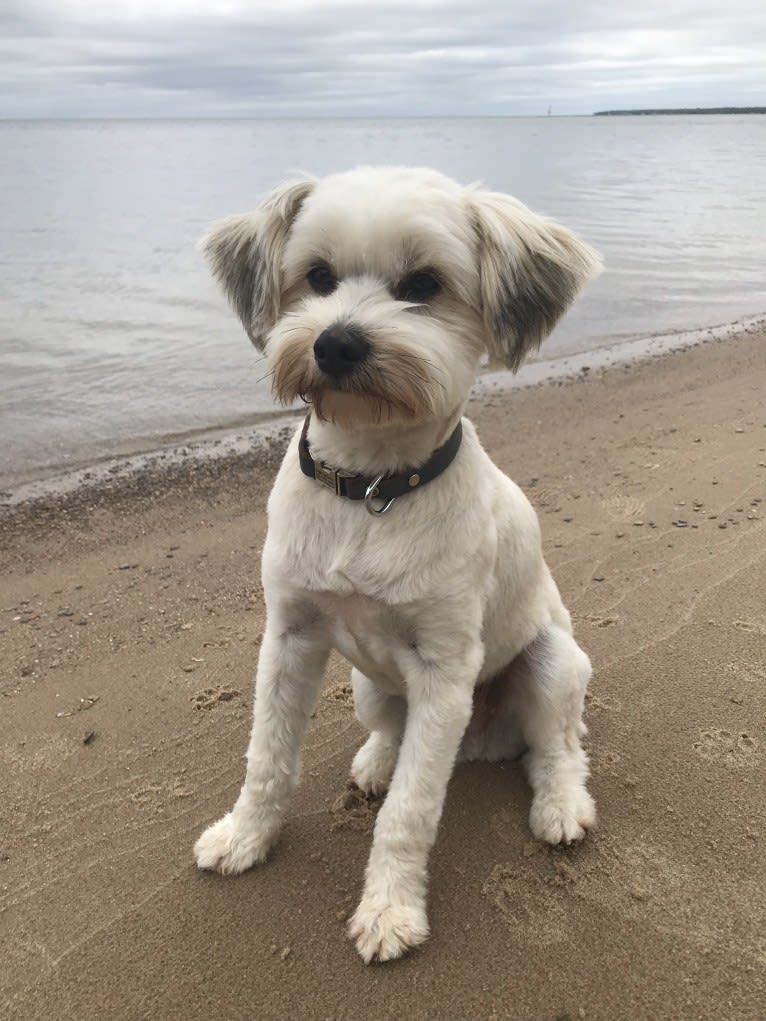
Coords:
pixel 131 619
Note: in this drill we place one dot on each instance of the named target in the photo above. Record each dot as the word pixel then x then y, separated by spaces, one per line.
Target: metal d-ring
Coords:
pixel 370 495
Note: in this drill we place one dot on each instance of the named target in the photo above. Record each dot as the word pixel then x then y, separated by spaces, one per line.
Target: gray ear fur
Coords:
pixel 245 255
pixel 531 269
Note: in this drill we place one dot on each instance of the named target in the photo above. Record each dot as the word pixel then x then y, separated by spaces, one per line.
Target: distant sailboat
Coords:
pixel 549 111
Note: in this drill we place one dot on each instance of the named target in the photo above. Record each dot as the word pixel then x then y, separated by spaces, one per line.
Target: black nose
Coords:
pixel 340 349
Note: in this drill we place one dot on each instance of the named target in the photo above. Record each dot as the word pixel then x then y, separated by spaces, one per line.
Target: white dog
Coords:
pixel 392 536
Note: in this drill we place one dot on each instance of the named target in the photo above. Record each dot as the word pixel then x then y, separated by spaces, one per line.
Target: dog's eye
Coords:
pixel 322 279
pixel 418 287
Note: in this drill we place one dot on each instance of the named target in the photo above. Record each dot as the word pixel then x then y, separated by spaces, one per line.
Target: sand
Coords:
pixel 130 625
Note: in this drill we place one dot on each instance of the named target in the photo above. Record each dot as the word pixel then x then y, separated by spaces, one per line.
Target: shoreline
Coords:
pixel 266 431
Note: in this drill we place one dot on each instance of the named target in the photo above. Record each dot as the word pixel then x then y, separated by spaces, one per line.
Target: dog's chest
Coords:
pixel 370 634
pixel 322 543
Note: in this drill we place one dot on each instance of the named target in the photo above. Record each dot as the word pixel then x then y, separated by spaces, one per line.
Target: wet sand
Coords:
pixel 130 622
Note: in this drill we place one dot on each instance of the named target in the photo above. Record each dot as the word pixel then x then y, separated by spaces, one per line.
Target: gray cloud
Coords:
pixel 346 57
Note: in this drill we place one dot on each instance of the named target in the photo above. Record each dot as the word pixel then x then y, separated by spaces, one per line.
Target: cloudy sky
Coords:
pixel 210 58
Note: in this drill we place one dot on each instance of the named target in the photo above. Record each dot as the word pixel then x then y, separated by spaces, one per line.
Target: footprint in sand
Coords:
pixel 623 508
pixel 727 748
pixel 755 627
pixel 148 795
pixel 545 496
pixel 595 620
pixel 355 810
pixel 155 795
pixel 602 703
pixel 535 911
pixel 209 698
pixel 605 762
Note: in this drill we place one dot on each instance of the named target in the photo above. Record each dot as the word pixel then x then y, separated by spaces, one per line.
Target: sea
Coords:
pixel 114 339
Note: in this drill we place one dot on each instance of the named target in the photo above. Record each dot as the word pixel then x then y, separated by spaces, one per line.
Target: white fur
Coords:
pixel 460 643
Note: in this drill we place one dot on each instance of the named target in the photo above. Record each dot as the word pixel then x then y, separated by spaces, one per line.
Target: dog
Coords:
pixel 393 538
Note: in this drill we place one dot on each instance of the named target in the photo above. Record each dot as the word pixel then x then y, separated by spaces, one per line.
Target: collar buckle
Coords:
pixel 330 477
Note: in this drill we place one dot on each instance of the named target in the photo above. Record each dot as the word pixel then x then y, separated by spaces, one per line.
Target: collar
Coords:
pixel 380 487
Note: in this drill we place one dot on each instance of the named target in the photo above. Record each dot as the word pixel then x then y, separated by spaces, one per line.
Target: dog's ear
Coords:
pixel 531 269
pixel 245 255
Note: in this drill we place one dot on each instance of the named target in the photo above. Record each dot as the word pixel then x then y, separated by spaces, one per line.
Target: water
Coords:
pixel 112 335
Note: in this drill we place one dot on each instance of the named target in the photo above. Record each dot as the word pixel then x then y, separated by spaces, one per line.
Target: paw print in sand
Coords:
pixel 727 748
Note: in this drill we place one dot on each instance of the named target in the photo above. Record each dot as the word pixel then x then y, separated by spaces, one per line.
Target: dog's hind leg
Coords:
pixel 548 699
pixel 384 716
pixel 493 734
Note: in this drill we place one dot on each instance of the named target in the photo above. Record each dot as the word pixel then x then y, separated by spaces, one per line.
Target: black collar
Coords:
pixel 381 487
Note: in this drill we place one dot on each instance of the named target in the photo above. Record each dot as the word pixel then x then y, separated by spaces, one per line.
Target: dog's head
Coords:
pixel 375 292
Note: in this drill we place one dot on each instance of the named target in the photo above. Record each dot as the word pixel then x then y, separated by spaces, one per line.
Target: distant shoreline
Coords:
pixel 681 110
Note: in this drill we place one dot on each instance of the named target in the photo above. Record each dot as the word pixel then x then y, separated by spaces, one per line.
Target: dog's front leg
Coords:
pixel 391 916
pixel 290 668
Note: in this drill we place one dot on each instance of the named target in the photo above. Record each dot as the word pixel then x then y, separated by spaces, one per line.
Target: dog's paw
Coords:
pixel 383 932
pixel 229 847
pixel 373 765
pixel 558 819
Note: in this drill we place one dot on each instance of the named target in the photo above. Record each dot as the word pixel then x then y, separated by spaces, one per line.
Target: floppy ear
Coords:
pixel 531 269
pixel 245 255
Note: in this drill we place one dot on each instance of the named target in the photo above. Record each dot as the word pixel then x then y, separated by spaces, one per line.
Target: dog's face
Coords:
pixel 374 293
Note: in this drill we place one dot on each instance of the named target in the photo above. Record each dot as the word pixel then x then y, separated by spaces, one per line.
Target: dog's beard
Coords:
pixel 395 384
